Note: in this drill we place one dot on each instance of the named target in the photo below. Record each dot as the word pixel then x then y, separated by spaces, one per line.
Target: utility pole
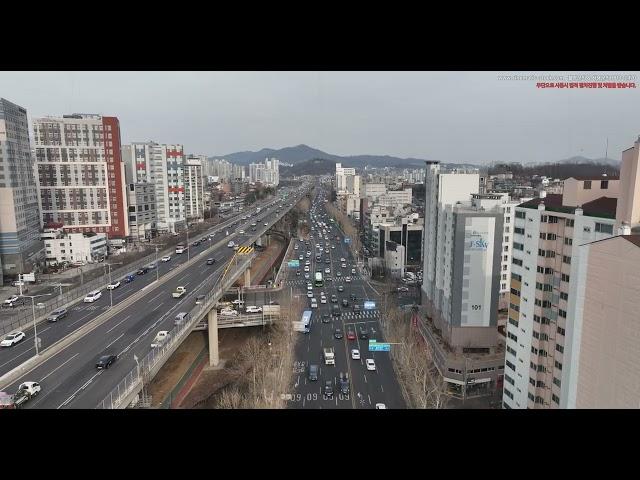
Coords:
pixel 33 310
pixel 110 290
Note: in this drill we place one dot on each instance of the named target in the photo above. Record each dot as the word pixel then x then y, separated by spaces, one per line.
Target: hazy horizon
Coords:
pixel 457 117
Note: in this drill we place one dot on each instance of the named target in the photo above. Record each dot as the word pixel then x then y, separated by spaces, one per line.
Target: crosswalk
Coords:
pixel 337 281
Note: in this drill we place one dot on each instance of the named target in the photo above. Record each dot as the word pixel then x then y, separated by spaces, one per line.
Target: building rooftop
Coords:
pixel 635 239
pixel 604 207
pixel 600 177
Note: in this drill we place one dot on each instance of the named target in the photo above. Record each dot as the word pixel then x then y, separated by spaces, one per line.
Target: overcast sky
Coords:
pixel 470 117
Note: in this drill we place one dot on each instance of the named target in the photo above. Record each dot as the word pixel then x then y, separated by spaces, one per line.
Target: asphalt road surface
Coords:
pixel 367 388
pixel 69 379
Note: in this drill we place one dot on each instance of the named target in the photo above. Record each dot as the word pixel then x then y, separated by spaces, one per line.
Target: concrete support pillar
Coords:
pixel 214 357
pixel 247 277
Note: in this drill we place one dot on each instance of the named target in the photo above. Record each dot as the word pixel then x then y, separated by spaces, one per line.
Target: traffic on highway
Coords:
pixel 84 372
pixel 334 367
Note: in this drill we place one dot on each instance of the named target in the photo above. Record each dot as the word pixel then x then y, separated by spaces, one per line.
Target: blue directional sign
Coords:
pixel 368 305
pixel 375 346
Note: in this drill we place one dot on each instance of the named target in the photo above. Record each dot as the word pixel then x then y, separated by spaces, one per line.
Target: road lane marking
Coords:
pixel 58 367
pixel 369 398
pixel 121 335
pixel 127 317
pixel 382 389
pixel 160 294
pixel 365 378
pixel 19 355
pixel 79 320
pixel 159 305
pixel 70 399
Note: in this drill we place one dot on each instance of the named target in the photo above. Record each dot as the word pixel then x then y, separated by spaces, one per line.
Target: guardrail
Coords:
pixel 122 395
pixel 283 265
pixel 24 318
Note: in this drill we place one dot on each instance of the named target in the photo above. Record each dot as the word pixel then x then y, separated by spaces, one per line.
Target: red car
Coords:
pixel 351 335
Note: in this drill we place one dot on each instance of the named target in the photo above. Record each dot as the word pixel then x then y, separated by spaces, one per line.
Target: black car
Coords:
pixel 196 243
pixel 313 372
pixel 337 334
pixel 340 288
pixel 363 334
pixel 352 296
pixel 211 261
pixel 106 361
pixel 326 318
pixel 344 384
pixel 142 271
pixel 356 308
pixel 345 302
pixel 298 273
pixel 328 388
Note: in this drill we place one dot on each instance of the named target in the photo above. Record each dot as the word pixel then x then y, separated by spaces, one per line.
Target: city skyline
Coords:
pixel 458 117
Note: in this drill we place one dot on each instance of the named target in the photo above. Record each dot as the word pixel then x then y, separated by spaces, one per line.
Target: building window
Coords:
pixel 604 184
pixel 511 335
pixel 508 394
pixel 515 261
pixel 516 277
pixel 558 365
pixel 587 184
pixel 518 230
pixel 555 398
pixel 568 241
pixel 566 259
pixel 604 228
pixel 511 350
pixel 556 381
pixel 521 214
pixel 559 348
pixel 561 330
pixel 564 296
pixel 569 222
pixel 565 277
pixel 510 365
pixel 543 218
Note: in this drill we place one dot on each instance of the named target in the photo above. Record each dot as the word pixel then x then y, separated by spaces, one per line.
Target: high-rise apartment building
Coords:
pixel 162 166
pixel 193 186
pixel 461 281
pixel 20 246
pixel 80 174
pixel 267 173
pixel 546 256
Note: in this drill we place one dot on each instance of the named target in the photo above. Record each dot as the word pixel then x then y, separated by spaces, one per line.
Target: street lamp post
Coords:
pixel 33 309
pixel 111 290
pixel 188 246
pixel 157 266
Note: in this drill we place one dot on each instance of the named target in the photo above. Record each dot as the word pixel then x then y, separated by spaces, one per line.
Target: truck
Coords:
pixel 329 356
pixel 26 391
pixel 179 292
pixel 271 310
pixel 161 337
pixel 258 210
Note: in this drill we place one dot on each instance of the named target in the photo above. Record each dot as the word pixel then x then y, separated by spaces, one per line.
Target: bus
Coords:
pixel 319 282
pixel 304 325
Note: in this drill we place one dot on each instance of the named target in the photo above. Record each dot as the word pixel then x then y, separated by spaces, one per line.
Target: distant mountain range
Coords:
pixel 303 153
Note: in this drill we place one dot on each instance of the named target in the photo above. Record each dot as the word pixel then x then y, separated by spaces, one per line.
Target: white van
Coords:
pixel 92 296
pixel 181 318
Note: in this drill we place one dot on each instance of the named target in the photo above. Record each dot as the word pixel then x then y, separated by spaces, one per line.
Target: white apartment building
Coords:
pixel 194 186
pixel 161 165
pixel 461 276
pixel 548 232
pixel 501 200
pixel 396 198
pixel 142 210
pixel 20 244
pixel 372 191
pixel 80 173
pixel 73 247
pixel 267 173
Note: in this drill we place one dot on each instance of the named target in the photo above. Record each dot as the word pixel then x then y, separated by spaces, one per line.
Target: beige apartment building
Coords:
pixel 607 326
pixel 550 255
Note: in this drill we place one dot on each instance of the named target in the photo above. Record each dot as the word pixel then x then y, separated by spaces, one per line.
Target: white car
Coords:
pixel 381 406
pixel 11 339
pixel 323 299
pixel 371 364
pixel 166 258
pixel 253 309
pixel 306 268
pixel 344 265
pixel 92 296
pixel 342 259
pixel 314 303
pixel 355 354
pixel 333 247
pixel 113 285
pixel 327 270
pixel 307 276
pixel 309 294
pixel 353 271
pixel 13 300
pixel 231 244
pixel 265 225
pixel 228 312
pixel 347 279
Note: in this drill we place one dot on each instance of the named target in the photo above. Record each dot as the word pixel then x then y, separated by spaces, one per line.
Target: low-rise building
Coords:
pixel 142 210
pixel 73 247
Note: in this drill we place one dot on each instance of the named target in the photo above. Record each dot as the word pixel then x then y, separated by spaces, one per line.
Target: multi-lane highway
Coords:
pixel 366 387
pixel 70 379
